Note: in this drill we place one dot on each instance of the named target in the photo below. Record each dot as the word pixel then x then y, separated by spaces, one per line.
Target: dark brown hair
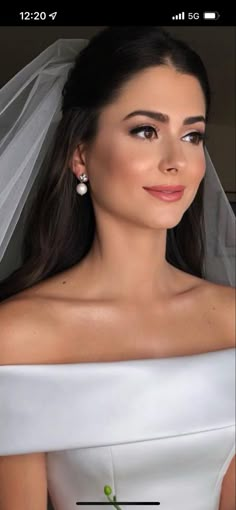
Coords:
pixel 61 224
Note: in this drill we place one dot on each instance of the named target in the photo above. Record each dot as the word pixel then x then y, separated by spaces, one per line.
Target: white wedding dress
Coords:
pixel 154 430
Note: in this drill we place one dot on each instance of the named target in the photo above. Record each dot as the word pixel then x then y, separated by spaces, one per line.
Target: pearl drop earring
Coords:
pixel 81 188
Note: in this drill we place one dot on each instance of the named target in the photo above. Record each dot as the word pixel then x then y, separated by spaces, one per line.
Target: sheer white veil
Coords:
pixel 29 113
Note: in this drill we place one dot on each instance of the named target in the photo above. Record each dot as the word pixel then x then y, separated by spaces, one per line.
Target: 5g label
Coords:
pixel 193 15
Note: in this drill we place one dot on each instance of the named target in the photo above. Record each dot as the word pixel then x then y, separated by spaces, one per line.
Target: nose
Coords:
pixel 173 158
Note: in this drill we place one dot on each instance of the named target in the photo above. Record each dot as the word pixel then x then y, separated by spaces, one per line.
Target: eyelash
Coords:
pixel 136 130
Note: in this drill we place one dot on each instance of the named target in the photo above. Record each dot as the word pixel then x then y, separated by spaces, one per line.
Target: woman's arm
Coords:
pixel 23 478
pixel 228 490
pixel 23 482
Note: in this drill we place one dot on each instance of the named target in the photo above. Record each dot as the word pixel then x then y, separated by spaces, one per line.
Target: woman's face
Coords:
pixel 131 152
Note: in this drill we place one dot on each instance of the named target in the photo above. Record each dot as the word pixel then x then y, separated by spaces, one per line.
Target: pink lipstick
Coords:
pixel 166 193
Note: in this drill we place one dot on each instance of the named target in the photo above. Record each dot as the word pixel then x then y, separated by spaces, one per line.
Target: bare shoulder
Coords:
pixel 221 301
pixel 25 328
pixel 228 488
pixel 216 304
pixel 227 300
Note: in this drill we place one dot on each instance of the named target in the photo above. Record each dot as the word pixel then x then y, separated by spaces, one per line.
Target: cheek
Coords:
pixel 198 166
pixel 202 166
pixel 197 169
pixel 117 176
pixel 119 163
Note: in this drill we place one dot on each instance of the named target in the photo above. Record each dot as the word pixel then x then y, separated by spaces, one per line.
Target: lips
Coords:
pixel 167 189
pixel 166 193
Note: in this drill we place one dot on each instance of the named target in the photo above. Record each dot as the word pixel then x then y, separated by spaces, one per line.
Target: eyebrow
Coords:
pixel 163 117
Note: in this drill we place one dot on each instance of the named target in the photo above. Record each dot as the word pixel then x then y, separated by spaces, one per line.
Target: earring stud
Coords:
pixel 81 188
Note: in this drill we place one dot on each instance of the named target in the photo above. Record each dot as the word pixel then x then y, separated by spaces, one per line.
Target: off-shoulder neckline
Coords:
pixel 141 361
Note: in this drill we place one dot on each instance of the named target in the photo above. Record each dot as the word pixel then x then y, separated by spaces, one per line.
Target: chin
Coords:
pixel 170 221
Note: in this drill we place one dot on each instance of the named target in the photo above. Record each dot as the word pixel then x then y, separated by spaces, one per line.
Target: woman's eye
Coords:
pixel 195 137
pixel 147 132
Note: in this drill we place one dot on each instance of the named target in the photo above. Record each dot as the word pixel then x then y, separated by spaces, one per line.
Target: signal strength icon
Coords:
pixel 181 15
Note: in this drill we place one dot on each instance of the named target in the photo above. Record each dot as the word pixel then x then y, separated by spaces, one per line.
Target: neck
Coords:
pixel 130 264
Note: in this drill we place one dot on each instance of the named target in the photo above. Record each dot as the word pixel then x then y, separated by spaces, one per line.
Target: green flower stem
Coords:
pixel 114 504
pixel 107 492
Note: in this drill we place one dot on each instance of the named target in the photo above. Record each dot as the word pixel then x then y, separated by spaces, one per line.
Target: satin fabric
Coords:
pixel 160 430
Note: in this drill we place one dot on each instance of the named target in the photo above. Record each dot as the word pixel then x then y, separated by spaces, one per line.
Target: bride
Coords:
pixel 114 296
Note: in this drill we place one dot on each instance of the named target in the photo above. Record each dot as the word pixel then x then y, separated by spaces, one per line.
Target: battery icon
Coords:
pixel 211 15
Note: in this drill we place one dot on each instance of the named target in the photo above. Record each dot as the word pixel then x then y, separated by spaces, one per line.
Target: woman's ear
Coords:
pixel 77 163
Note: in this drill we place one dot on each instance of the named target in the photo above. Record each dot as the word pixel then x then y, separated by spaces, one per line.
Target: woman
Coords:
pixel 117 353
